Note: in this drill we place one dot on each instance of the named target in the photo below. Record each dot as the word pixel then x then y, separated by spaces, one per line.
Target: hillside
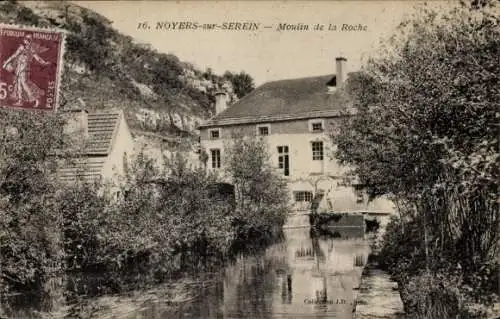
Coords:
pixel 160 94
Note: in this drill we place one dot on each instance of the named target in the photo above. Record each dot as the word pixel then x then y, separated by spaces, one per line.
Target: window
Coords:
pixel 303 196
pixel 126 194
pixel 214 134
pixel 283 160
pixel 317 151
pixel 358 190
pixel 215 156
pixel 263 130
pixel 197 146
pixel 317 127
pixel 125 163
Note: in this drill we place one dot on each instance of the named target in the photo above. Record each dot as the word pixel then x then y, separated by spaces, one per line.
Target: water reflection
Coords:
pixel 302 276
pixel 32 305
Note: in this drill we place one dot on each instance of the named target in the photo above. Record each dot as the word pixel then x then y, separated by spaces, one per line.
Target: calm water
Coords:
pixel 378 297
pixel 300 277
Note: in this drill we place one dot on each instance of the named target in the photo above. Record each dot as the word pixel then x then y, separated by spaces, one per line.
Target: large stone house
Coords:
pixel 296 118
pixel 103 145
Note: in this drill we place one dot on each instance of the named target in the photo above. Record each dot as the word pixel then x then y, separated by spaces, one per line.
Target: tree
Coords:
pixel 261 195
pixel 426 130
pixel 89 43
pixel 30 245
pixel 242 83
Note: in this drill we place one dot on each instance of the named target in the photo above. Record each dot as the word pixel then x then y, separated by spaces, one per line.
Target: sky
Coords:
pixel 265 54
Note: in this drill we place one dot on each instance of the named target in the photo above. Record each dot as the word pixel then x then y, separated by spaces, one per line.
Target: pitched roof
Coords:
pixel 84 169
pixel 102 129
pixel 284 100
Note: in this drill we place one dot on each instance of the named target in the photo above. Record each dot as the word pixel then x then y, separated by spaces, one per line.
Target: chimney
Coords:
pixel 220 102
pixel 340 72
pixel 77 124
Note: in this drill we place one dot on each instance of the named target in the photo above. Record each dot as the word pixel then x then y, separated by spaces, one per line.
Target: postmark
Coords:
pixel 31 61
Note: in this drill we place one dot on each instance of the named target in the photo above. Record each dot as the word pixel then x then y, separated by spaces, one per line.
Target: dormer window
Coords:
pixel 214 134
pixel 316 126
pixel 263 130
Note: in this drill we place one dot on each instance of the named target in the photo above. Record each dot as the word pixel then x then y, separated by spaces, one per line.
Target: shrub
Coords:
pixel 261 195
pixel 425 132
pixel 433 296
pixel 86 215
pixel 30 227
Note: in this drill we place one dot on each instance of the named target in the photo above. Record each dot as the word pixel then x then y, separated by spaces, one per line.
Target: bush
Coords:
pixel 30 227
pixel 86 224
pixel 169 217
pixel 261 195
pixel 425 133
pixel 432 296
pixel 438 288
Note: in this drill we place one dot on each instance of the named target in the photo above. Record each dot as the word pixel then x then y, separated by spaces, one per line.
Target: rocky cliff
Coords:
pixel 160 95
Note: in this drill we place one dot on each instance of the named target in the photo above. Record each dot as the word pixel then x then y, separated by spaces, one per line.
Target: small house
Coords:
pixel 103 146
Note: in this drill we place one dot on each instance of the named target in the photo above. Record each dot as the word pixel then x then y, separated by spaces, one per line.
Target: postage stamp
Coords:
pixel 30 67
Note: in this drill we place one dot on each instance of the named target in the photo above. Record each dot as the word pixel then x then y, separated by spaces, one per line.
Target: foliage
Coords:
pixel 261 194
pixel 110 65
pixel 242 83
pixel 89 43
pixel 205 221
pixel 433 296
pixel 166 217
pixel 442 291
pixel 404 143
pixel 29 224
pixel 426 132
pixel 86 222
pixel 27 16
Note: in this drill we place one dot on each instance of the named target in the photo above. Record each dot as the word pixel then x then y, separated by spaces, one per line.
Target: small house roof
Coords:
pixel 87 169
pixel 300 98
pixel 102 130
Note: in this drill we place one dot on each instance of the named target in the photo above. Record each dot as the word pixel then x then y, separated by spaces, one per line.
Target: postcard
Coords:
pixel 249 159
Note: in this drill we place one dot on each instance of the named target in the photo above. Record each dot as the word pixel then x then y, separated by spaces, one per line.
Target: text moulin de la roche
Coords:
pixel 248 26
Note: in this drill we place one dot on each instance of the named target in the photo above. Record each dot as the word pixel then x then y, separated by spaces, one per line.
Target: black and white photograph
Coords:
pixel 249 159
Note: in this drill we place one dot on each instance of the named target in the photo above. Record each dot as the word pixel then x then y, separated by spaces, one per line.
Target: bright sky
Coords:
pixel 266 54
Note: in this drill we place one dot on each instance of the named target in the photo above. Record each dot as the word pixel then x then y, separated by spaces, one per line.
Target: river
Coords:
pixel 300 277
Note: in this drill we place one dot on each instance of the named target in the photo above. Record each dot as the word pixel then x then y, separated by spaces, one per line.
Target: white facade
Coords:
pixel 310 166
pixel 296 118
pixel 121 153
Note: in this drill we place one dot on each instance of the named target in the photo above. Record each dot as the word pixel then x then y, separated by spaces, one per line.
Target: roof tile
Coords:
pixel 282 100
pixel 102 129
pixel 86 169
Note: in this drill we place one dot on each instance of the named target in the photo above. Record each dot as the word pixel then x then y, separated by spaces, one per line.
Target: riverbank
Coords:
pixel 163 221
pixel 378 295
pixel 437 286
pixel 170 298
pixel 298 276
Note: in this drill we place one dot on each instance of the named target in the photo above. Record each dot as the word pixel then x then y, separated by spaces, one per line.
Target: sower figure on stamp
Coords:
pixel 19 63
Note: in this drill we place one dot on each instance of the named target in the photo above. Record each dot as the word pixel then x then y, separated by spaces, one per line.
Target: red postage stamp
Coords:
pixel 30 67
